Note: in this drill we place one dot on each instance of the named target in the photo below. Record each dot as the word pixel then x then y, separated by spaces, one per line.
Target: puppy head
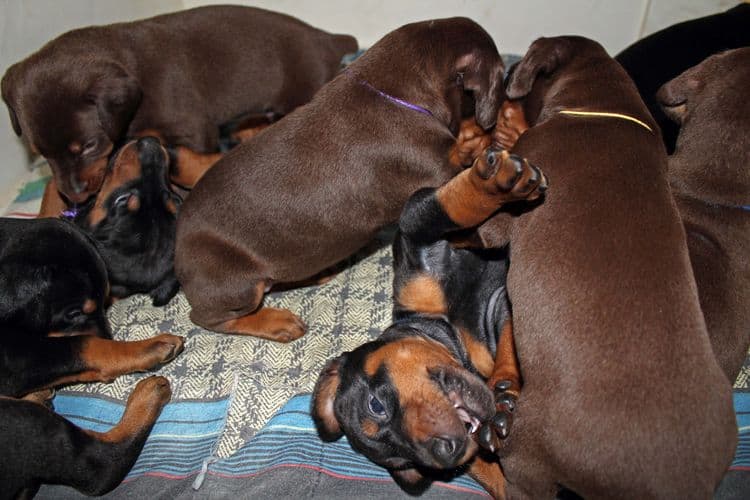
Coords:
pixel 718 84
pixel 72 118
pixel 52 280
pixel 479 70
pixel 439 64
pixel 133 220
pixel 405 401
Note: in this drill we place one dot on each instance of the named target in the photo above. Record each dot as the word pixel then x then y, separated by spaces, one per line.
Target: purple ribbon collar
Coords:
pixel 393 99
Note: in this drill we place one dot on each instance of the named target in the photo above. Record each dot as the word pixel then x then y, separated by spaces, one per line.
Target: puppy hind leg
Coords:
pixel 251 319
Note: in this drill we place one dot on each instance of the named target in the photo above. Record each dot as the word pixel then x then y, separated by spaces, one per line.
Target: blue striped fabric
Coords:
pixel 186 432
pixel 742 410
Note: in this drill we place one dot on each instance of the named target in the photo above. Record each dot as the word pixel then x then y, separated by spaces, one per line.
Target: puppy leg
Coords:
pixel 496 178
pixel 511 123
pixel 505 382
pixel 54 361
pixel 52 203
pixel 267 323
pixel 471 141
pixel 487 472
pixel 49 449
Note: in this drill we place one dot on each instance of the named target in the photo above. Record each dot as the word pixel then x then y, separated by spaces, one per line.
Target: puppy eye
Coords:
pixel 460 78
pixel 73 314
pixel 89 147
pixel 121 200
pixel 491 158
pixel 375 406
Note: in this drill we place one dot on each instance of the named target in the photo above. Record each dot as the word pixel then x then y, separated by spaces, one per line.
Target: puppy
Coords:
pixel 654 60
pixel 179 76
pixel 617 366
pixel 711 185
pixel 412 399
pixel 133 220
pixel 53 332
pixel 316 186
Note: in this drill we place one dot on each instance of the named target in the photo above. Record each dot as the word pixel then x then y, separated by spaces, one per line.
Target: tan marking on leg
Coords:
pixel 470 143
pixel 248 133
pixel 506 361
pixel 141 411
pixel 267 323
pixel 489 475
pixel 105 360
pixel 475 194
pixel 511 124
pixel 478 354
pixel 423 294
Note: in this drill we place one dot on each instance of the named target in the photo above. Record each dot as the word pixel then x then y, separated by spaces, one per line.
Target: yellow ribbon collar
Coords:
pixel 608 115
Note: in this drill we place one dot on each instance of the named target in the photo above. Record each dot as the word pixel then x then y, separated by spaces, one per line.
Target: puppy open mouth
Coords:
pixel 467 416
pixel 471 398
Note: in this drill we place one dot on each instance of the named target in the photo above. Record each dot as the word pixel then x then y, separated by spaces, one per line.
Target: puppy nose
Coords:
pixel 148 142
pixel 447 449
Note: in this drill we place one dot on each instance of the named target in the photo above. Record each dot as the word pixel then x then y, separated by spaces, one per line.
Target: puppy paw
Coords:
pixel 508 177
pixel 494 431
pixel 470 143
pixel 279 325
pixel 511 124
pixel 165 347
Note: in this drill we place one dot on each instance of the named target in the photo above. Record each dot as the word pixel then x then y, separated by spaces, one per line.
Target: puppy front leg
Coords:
pixel 55 451
pixel 505 383
pixel 53 361
pixel 471 141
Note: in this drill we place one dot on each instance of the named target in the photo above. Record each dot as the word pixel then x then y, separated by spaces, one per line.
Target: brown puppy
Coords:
pixel 316 186
pixel 179 76
pixel 711 184
pixel 622 395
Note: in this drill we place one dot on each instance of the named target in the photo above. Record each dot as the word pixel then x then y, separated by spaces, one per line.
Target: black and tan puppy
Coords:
pixel 133 220
pixel 179 76
pixel 411 400
pixel 622 394
pixel 316 186
pixel 709 176
pixel 53 332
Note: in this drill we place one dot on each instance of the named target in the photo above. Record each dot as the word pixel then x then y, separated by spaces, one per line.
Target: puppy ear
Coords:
pixel 117 96
pixel 411 480
pixel 543 57
pixel 5 88
pixel 323 398
pixel 483 76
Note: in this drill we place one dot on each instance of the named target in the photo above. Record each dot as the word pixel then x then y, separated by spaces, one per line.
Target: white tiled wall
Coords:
pixel 26 24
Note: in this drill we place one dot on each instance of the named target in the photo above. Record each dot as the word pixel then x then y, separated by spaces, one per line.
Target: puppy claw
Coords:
pixel 501 423
pixel 485 438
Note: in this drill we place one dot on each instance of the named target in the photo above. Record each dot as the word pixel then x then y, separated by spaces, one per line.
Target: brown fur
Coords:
pixel 183 74
pixel 619 376
pixel 316 186
pixel 709 176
